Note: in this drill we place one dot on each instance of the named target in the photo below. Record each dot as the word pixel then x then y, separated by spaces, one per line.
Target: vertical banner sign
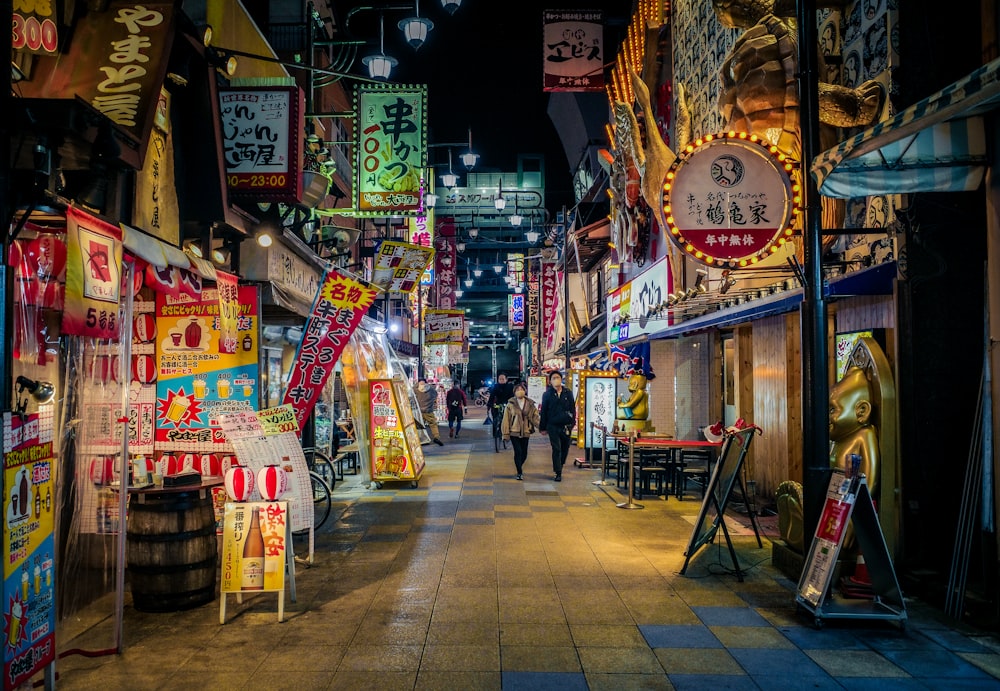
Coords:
pixel 93 276
pixel 227 286
pixel 196 382
pixel 515 317
pixel 599 408
pixel 400 265
pixel 156 209
pixel 262 142
pixel 515 268
pixel 422 233
pixel 572 50
pixel 548 301
pixel 340 304
pixel 28 569
pixel 445 263
pixel 533 307
pixel 253 546
pixel 391 129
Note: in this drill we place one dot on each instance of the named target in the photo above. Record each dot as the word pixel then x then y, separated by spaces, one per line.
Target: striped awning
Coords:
pixel 936 145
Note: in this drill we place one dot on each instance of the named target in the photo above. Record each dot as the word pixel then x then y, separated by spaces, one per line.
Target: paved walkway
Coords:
pixel 477 581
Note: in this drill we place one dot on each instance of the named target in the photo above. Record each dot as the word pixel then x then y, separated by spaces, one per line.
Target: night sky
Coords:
pixel 483 69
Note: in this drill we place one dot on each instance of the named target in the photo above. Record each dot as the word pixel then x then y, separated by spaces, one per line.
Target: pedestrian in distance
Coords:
pixel 520 420
pixel 558 415
pixel 457 403
pixel 427 400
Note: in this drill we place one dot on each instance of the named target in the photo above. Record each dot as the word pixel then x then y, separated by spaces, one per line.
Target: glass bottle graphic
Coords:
pixel 48 499
pixel 24 493
pixel 38 504
pixel 253 556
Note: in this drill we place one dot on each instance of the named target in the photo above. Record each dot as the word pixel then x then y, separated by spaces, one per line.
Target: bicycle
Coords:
pixel 482 398
pixel 498 439
pixel 320 463
pixel 322 477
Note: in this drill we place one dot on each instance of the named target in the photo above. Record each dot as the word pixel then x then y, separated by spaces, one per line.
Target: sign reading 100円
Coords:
pixel 729 200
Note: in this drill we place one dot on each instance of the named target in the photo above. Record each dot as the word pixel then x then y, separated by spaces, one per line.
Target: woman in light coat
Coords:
pixel 520 420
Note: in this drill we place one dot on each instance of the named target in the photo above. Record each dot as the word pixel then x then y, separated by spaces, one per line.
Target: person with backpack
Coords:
pixel 558 415
pixel 457 403
pixel 520 419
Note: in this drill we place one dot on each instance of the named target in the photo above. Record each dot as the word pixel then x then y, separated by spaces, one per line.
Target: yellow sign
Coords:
pixel 253 546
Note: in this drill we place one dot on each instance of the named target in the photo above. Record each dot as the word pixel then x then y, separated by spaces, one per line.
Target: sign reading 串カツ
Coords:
pixel 729 200
pixel 392 149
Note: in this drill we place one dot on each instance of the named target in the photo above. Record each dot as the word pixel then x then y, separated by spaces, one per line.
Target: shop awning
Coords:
pixel 936 145
pixel 156 252
pixel 587 340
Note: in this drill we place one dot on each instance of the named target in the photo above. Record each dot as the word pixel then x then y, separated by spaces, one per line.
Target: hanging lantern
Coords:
pixel 144 328
pixel 272 482
pixel 209 465
pixel 239 483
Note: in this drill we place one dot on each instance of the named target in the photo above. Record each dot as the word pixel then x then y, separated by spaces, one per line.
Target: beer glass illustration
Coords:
pixel 178 408
pixel 24 582
pixel 15 624
pixel 224 387
pixel 200 388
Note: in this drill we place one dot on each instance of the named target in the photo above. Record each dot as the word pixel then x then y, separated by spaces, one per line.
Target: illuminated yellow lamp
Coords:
pixel 699 141
pixel 709 137
pixel 675 231
pixel 788 231
pixel 667 210
pixel 698 254
pixel 773 149
pixel 781 157
pixel 611 193
pixel 743 262
pixel 753 137
pixel 788 167
pixel 689 248
pixel 689 148
pixel 611 245
pixel 670 220
pixel 754 259
pixel 743 135
pixel 797 200
pixel 731 133
pixel 796 188
pixel 781 241
pixel 773 249
pixel 670 173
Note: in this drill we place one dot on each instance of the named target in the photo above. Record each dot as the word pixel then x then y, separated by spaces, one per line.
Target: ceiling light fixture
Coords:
pixel 531 236
pixel 469 159
pixel 473 233
pixel 193 248
pixel 450 5
pixel 500 203
pixel 430 200
pixel 416 28
pixel 449 179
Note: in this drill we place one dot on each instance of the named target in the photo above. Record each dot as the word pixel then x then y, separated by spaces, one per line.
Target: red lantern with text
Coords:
pixel 271 482
pixel 239 483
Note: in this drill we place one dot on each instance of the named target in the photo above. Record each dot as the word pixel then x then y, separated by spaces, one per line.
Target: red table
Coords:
pixel 651 445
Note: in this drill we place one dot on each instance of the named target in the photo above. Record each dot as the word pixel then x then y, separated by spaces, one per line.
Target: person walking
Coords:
pixel 520 419
pixel 427 400
pixel 557 417
pixel 457 403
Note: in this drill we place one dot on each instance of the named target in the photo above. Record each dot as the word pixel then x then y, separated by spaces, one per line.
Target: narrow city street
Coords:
pixel 476 580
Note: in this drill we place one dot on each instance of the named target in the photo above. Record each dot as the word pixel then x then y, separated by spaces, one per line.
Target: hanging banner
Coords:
pixel 550 282
pixel 93 276
pixel 28 569
pixel 445 266
pixel 421 232
pixel 340 304
pixel 515 311
pixel 399 266
pixel 262 142
pixel 444 327
pixel 391 129
pixel 197 383
pixel 631 307
pixel 173 281
pixel 572 50
pixel 227 285
pixel 156 210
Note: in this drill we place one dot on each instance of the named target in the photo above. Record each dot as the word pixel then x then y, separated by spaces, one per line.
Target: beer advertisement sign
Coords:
pixel 29 613
pixel 196 382
pixel 254 538
pixel 395 446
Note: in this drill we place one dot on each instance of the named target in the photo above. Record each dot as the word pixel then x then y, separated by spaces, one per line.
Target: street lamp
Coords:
pixel 469 159
pixel 500 203
pixel 449 179
pixel 416 28
pixel 379 66
pixel 450 5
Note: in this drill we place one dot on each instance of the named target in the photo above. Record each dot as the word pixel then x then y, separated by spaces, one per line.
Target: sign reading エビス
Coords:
pixel 572 50
pixel 392 149
pixel 729 200
pixel 261 141
pixel 340 304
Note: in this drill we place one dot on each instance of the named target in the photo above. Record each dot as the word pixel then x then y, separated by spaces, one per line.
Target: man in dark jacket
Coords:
pixel 427 400
pixel 501 392
pixel 457 402
pixel 558 414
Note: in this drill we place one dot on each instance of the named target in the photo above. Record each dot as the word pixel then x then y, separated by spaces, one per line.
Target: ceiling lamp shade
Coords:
pixel 531 235
pixel 451 5
pixel 430 200
pixel 416 29
pixel 498 268
pixel 460 246
pixel 379 66
pixel 459 293
pixel 500 203
pixel 469 159
pixel 477 272
pixel 468 283
pixel 473 233
pixel 449 179
pixel 515 219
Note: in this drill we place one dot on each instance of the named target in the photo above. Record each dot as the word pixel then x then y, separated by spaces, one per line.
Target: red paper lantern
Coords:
pixel 169 465
pixel 227 462
pixel 102 470
pixel 209 465
pixel 143 369
pixel 48 255
pixel 272 482
pixel 239 483
pixel 144 328
pixel 187 462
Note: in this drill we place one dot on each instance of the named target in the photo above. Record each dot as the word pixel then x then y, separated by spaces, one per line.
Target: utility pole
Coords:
pixel 566 233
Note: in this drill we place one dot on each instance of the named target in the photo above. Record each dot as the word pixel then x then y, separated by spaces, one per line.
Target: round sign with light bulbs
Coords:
pixel 730 201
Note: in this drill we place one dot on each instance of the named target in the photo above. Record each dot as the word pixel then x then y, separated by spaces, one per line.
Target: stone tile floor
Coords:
pixel 477 581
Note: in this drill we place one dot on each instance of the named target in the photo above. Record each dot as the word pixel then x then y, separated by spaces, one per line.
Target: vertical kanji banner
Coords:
pixel 229 311
pixel 572 51
pixel 93 276
pixel 391 128
pixel 550 283
pixel 340 304
pixel 445 266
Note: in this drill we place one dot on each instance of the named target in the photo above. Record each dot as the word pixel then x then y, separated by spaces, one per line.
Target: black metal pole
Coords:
pixel 566 226
pixel 815 385
pixel 6 209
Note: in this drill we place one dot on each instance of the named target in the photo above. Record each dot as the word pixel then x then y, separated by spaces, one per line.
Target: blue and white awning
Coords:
pixel 935 145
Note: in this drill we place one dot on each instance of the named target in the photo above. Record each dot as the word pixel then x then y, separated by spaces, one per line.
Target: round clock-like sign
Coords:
pixel 730 201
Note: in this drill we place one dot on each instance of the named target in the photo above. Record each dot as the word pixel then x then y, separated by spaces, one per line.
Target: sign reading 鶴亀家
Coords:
pixel 572 50
pixel 730 202
pixel 261 143
pixel 340 304
pixel 392 149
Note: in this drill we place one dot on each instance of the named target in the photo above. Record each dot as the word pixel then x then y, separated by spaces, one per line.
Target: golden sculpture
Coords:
pixel 636 407
pixel 852 428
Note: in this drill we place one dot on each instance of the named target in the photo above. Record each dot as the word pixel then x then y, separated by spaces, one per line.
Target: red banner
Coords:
pixel 341 303
pixel 93 276
pixel 445 270
pixel 549 301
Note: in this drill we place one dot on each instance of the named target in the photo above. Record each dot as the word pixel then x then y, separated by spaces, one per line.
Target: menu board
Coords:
pixel 395 445
pixel 196 383
pixel 28 578
pixel 830 531
pixel 598 401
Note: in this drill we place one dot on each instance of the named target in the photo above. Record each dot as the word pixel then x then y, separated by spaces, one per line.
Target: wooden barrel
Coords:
pixel 172 550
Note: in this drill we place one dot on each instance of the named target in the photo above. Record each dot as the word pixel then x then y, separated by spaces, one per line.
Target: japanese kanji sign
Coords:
pixel 421 232
pixel 729 202
pixel 261 141
pixel 93 276
pixel 551 280
pixel 33 27
pixel 634 299
pixel 400 265
pixel 445 266
pixel 340 304
pixel 444 327
pixel 572 50
pixel 229 311
pixel 267 572
pixel 515 311
pixel 392 149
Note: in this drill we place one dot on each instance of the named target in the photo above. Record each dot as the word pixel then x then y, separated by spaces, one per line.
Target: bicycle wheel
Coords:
pixel 322 503
pixel 322 466
pixel 497 430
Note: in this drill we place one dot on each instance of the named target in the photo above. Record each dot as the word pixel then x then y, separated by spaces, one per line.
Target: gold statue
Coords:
pixel 852 426
pixel 636 407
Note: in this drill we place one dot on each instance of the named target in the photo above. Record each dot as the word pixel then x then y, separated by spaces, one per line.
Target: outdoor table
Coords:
pixel 646 446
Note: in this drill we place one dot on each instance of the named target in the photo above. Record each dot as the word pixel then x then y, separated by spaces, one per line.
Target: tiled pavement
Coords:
pixel 477 581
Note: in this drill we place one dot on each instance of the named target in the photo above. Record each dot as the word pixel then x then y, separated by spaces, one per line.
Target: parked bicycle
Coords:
pixel 497 417
pixel 323 478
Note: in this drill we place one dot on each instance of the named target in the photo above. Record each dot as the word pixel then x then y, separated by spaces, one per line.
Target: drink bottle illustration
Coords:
pixel 253 556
